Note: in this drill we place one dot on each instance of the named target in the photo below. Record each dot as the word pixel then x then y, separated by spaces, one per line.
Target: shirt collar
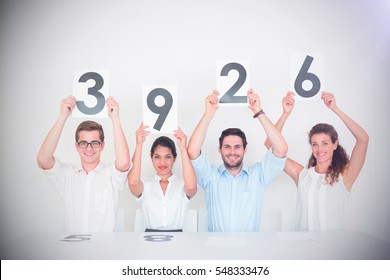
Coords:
pixel 222 169
pixel 314 174
pixel 158 178
pixel 79 168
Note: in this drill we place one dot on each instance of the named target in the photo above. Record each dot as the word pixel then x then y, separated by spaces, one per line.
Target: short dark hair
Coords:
pixel 89 126
pixel 164 141
pixel 233 131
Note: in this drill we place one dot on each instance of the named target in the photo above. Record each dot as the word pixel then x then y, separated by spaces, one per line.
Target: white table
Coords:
pixel 334 245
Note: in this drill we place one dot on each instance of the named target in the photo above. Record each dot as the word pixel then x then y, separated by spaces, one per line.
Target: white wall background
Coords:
pixel 173 42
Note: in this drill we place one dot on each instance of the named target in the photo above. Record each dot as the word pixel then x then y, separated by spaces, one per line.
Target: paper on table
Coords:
pixel 296 235
pixel 226 241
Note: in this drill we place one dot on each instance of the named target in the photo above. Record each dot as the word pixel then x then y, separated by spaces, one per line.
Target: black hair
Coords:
pixel 233 131
pixel 164 142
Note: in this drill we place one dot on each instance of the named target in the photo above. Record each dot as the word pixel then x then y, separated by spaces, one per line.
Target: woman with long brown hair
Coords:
pixel 326 182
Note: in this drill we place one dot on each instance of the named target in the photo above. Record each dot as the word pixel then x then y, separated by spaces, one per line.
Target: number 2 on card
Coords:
pixel 232 82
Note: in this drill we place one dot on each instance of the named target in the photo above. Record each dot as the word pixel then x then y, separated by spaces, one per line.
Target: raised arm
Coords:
pixel 199 134
pixel 358 155
pixel 288 103
pixel 291 167
pixel 134 177
pixel 45 158
pixel 275 137
pixel 188 171
pixel 122 155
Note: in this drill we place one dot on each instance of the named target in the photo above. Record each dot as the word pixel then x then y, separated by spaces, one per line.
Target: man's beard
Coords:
pixel 232 166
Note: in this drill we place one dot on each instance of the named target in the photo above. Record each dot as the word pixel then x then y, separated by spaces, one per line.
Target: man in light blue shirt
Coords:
pixel 234 192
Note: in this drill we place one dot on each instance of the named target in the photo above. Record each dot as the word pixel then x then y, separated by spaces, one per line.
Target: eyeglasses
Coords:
pixel 84 144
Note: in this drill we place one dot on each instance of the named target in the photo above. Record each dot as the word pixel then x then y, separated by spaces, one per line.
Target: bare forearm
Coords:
pixel 134 176
pixel 359 151
pixel 357 131
pixel 188 175
pixel 45 156
pixel 279 126
pixel 122 154
pixel 199 135
pixel 274 136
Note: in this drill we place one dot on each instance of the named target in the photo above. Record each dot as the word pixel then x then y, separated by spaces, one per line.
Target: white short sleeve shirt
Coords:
pixel 90 200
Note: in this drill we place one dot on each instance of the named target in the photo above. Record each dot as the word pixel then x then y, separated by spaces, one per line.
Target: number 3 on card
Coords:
pixel 233 82
pixel 90 89
pixel 160 109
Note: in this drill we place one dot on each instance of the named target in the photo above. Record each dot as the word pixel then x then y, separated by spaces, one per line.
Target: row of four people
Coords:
pixel 233 191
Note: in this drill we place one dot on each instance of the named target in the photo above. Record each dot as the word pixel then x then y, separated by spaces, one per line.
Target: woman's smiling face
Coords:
pixel 163 160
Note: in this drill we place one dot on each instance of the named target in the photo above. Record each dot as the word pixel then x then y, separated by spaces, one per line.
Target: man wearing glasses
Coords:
pixel 90 191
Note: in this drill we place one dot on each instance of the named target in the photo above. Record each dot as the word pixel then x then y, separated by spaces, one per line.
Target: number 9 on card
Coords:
pixel 159 106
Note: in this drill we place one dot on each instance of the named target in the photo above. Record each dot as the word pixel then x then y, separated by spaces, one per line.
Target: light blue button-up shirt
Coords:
pixel 234 202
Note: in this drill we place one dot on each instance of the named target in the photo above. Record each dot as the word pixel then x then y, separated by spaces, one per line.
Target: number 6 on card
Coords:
pixel 233 82
pixel 90 89
pixel 160 108
pixel 305 74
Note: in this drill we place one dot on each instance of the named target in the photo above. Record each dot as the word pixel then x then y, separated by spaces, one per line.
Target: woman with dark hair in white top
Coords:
pixel 164 198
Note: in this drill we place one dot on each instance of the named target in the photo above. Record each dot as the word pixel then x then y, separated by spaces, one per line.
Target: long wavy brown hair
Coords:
pixel 340 158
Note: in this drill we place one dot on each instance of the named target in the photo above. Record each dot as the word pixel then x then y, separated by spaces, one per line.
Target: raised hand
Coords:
pixel 67 105
pixel 141 134
pixel 113 107
pixel 288 102
pixel 212 101
pixel 329 100
pixel 254 101
pixel 181 139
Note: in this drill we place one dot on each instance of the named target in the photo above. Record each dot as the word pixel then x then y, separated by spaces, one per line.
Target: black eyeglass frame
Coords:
pixel 84 144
